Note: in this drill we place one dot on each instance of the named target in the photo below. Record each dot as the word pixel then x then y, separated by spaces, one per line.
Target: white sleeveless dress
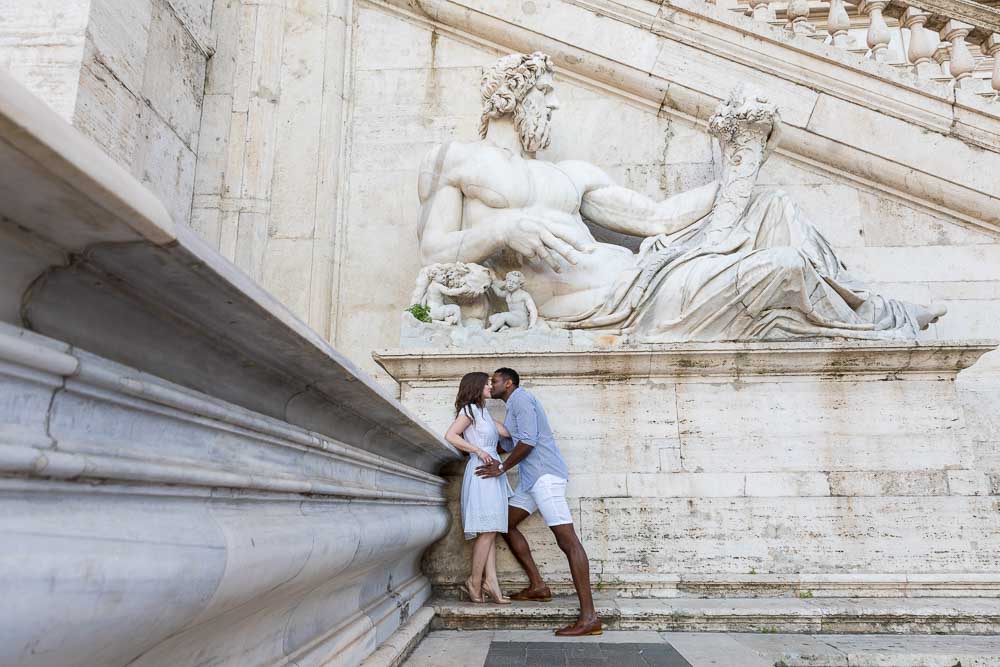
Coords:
pixel 484 501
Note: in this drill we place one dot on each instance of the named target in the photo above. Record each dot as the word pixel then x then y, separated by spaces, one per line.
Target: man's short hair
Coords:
pixel 510 374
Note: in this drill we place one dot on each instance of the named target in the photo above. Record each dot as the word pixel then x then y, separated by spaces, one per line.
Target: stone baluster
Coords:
pixel 991 48
pixel 962 63
pixel 798 18
pixel 761 10
pixel 942 56
pixel 923 43
pixel 878 32
pixel 838 23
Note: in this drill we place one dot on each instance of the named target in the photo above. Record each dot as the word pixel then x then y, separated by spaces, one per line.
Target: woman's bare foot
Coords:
pixel 469 588
pixel 493 591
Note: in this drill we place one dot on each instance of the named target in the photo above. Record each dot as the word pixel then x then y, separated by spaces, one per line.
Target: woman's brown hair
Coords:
pixel 470 392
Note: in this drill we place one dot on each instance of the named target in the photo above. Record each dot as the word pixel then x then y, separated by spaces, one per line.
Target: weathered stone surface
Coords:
pixel 174 86
pixel 926 616
pixel 274 115
pixel 747 469
pixel 42 48
pixel 221 485
pixel 109 67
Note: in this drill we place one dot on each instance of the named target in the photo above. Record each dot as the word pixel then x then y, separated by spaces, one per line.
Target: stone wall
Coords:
pixel 129 75
pixel 416 84
pixel 826 469
pixel 268 165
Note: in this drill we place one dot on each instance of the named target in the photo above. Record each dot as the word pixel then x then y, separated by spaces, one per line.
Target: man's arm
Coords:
pixel 628 212
pixel 521 450
pixel 525 430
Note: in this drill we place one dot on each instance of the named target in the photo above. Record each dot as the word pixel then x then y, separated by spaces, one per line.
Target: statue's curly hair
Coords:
pixel 507 81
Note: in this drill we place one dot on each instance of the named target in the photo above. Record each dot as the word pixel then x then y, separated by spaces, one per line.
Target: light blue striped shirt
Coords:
pixel 527 423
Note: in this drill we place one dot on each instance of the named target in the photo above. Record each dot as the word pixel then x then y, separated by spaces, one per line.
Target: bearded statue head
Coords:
pixel 520 84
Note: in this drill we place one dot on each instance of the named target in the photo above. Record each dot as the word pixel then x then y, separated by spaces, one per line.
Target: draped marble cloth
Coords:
pixel 771 276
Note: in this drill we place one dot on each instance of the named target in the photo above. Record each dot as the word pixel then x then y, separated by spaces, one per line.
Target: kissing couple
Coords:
pixel 490 506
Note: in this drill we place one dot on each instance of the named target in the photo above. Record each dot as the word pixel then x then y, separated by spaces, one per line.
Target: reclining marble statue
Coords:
pixel 717 262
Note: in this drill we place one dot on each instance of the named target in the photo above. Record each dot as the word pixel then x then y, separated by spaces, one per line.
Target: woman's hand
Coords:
pixel 484 457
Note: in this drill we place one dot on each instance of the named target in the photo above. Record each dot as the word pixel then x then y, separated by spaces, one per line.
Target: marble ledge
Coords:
pixel 71 416
pixel 826 359
pixel 90 258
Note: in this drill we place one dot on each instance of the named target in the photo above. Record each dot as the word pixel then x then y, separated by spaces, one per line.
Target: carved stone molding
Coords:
pixel 702 360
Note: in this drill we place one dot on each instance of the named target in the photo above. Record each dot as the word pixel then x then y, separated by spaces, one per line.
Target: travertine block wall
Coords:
pixel 415 85
pixel 836 480
pixel 268 166
pixel 130 75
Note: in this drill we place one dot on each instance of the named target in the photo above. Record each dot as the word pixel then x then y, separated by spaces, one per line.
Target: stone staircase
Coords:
pixel 960 616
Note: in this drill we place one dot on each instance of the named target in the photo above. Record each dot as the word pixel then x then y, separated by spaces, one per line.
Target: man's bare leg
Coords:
pixel 579 567
pixel 518 545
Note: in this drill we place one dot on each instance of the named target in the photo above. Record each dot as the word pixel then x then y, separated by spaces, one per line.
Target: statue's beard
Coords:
pixel 533 125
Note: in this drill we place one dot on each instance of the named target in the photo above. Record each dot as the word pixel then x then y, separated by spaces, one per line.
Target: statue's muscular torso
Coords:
pixel 493 181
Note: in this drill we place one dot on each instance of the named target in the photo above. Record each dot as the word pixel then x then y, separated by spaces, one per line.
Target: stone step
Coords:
pixel 881 650
pixel 766 585
pixel 711 649
pixel 970 616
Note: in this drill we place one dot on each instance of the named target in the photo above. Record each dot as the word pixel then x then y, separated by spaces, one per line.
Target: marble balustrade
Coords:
pixel 952 41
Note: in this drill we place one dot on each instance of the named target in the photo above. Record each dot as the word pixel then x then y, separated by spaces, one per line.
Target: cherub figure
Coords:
pixel 430 291
pixel 521 311
pixel 467 283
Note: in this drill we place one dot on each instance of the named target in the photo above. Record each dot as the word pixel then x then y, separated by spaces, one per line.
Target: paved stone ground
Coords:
pixel 456 648
pixel 604 654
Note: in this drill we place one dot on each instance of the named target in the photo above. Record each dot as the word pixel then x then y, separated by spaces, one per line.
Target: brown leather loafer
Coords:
pixel 528 595
pixel 581 630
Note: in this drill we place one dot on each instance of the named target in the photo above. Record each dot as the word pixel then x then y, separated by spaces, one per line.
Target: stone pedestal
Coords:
pixel 743 469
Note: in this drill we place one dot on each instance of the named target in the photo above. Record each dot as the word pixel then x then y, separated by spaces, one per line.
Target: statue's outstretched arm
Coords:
pixel 628 212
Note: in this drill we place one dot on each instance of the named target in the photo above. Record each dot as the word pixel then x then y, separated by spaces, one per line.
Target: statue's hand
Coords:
pixel 537 237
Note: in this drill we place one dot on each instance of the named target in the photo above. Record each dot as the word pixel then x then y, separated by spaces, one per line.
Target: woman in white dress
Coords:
pixel 484 500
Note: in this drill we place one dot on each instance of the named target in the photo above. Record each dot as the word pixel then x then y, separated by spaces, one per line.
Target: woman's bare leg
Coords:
pixel 490 573
pixel 481 549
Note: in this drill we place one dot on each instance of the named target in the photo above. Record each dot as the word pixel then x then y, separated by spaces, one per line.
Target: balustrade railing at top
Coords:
pixel 953 41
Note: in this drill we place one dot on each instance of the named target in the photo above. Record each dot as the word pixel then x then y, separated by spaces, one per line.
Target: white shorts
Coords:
pixel 548 496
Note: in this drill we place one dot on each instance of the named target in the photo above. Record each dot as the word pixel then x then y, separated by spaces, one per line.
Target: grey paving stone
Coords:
pixel 568 652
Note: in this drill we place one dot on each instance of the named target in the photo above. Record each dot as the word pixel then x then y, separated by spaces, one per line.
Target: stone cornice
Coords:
pixel 805 77
pixel 979 15
pixel 702 361
pixel 273 457
pixel 93 259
